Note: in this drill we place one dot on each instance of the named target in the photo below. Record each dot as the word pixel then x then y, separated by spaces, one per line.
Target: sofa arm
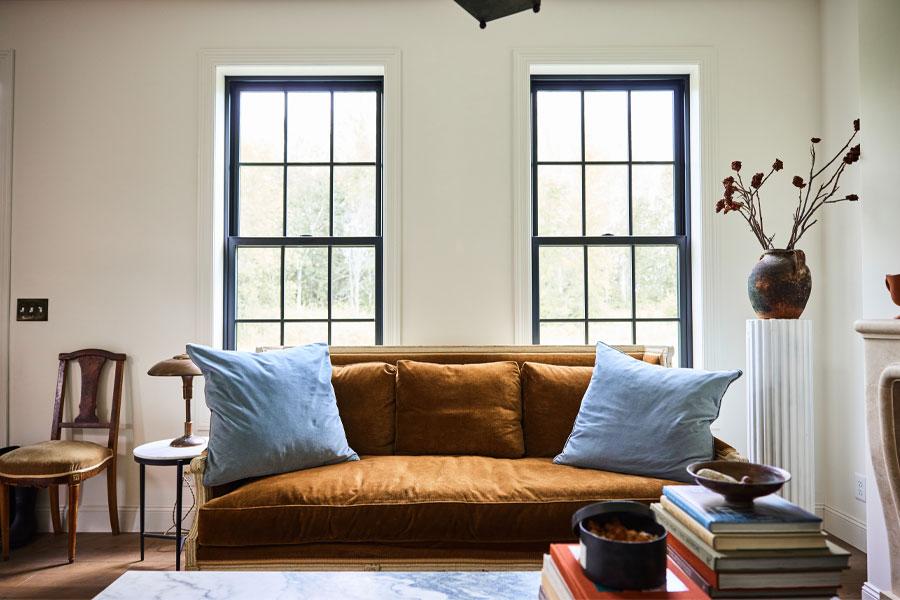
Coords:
pixel 722 451
pixel 202 495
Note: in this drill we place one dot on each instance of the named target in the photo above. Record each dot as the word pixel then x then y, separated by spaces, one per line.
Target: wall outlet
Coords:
pixel 859 487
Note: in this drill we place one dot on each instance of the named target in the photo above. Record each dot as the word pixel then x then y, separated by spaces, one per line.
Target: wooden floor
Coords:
pixel 41 570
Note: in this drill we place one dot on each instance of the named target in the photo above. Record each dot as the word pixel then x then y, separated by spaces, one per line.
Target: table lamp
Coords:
pixel 181 366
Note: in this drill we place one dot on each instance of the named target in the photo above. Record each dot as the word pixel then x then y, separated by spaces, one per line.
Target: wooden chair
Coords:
pixel 56 462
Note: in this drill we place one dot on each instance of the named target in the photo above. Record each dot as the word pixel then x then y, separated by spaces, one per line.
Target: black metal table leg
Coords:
pixel 143 470
pixel 178 492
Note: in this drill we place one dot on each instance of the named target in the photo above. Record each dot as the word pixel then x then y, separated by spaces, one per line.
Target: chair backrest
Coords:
pixel 91 362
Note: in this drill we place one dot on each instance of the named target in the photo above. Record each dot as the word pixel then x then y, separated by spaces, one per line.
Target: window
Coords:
pixel 610 222
pixel 304 255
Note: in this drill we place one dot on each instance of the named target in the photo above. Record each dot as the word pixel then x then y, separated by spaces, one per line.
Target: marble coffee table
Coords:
pixel 338 585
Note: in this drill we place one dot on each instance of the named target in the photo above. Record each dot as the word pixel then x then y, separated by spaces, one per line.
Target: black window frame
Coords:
pixel 680 86
pixel 234 85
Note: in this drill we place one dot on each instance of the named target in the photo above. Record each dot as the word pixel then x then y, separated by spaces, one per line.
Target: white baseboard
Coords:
pixel 95 518
pixel 841 525
pixel 870 592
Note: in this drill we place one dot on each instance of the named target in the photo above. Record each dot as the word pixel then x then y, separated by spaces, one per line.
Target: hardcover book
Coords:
pixel 564 564
pixel 672 514
pixel 831 556
pixel 769 514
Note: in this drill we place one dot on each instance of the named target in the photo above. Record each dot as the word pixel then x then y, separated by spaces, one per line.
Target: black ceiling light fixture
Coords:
pixel 488 10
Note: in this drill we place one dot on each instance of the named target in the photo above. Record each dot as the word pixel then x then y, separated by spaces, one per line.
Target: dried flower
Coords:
pixel 732 206
pixel 738 195
pixel 757 180
pixel 852 155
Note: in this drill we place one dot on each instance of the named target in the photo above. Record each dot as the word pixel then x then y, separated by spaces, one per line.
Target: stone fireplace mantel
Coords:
pixel 882 357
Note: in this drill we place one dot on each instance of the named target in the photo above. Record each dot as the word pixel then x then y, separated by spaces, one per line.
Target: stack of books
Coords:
pixel 563 579
pixel 772 549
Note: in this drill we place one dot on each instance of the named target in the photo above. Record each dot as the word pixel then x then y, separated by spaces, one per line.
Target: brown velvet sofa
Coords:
pixel 442 482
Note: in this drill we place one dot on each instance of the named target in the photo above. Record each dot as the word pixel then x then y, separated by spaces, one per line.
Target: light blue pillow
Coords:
pixel 645 419
pixel 272 412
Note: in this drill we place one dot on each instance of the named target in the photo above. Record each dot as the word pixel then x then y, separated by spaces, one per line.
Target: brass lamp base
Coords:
pixel 187 441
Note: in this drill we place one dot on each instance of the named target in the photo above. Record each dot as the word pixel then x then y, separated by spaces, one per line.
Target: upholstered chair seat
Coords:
pixel 54 458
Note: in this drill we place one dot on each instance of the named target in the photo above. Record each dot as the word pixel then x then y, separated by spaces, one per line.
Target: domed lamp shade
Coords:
pixel 181 366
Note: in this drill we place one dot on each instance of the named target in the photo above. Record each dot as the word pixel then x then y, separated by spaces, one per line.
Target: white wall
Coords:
pixel 879 48
pixel 841 451
pixel 106 160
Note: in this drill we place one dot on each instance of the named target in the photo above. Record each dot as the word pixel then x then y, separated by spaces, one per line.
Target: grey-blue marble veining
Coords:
pixel 384 585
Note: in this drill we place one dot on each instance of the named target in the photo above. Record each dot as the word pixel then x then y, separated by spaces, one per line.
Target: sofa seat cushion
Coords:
pixel 410 499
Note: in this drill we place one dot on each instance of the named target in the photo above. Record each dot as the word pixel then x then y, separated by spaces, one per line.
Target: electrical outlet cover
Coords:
pixel 859 487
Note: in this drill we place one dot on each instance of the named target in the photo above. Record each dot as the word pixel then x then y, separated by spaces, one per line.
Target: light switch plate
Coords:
pixel 31 309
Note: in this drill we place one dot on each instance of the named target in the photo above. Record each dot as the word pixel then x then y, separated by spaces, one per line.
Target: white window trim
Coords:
pixel 697 62
pixel 214 66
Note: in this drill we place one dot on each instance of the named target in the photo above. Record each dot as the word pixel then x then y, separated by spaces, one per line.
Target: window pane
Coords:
pixel 258 289
pixel 656 279
pixel 609 282
pixel 354 126
pixel 250 336
pixel 261 201
pixel 606 199
pixel 610 333
pixel 562 333
pixel 561 282
pixel 656 333
pixel 305 283
pixel 559 200
pixel 353 334
pixel 654 200
pixel 309 126
pixel 354 201
pixel 353 283
pixel 558 126
pixel 300 334
pixel 606 126
pixel 262 127
pixel 307 201
pixel 652 127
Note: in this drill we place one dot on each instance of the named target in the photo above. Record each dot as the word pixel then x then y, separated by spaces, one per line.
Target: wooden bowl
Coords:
pixel 764 479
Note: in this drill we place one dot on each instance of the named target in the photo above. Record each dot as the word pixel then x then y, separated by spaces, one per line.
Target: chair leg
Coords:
pixel 54 508
pixel 74 489
pixel 111 497
pixel 4 518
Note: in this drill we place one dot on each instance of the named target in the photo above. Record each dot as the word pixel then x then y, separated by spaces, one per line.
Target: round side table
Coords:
pixel 160 453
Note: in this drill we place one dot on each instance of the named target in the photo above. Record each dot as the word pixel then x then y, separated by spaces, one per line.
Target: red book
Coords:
pixel 701 568
pixel 678 584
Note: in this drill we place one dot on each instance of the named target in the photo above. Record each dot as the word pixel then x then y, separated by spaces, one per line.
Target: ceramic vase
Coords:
pixel 779 285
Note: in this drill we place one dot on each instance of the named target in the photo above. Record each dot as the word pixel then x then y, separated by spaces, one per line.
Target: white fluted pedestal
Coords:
pixel 780 402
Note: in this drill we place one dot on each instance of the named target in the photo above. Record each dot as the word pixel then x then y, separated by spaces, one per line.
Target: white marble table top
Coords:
pixel 314 585
pixel 161 450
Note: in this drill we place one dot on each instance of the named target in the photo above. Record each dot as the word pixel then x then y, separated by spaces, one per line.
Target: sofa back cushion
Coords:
pixel 551 396
pixel 365 400
pixel 471 409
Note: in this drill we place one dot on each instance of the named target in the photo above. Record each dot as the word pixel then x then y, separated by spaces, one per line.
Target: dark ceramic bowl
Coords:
pixel 764 479
pixel 622 565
